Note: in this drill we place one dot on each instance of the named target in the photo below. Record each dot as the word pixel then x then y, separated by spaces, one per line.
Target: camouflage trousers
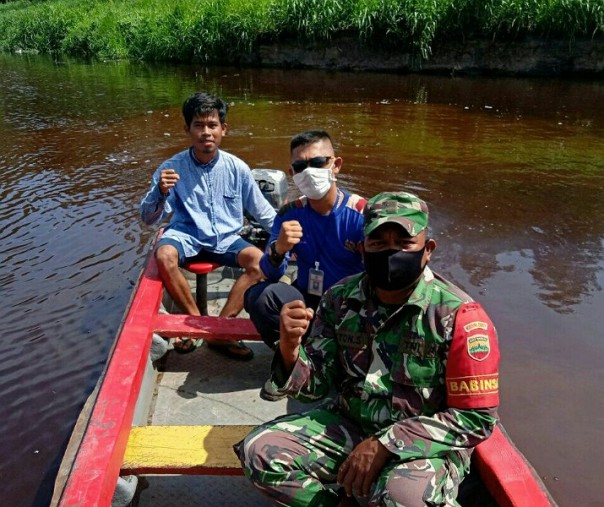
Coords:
pixel 295 459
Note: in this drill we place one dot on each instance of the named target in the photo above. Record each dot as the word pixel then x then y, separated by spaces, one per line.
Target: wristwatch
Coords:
pixel 275 257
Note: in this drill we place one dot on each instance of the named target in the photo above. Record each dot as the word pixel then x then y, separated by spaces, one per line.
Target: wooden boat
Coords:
pixel 105 444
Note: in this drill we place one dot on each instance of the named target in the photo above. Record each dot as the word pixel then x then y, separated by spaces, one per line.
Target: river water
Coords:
pixel 513 171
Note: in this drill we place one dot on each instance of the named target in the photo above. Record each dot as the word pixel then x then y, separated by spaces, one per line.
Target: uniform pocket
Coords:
pixel 417 371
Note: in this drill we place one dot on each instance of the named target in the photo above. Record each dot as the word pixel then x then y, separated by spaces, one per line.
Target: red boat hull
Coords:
pixel 92 478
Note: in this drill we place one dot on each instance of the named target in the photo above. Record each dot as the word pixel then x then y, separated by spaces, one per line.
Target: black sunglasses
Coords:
pixel 299 165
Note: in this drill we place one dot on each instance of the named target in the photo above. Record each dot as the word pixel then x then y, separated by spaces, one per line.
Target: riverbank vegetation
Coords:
pixel 223 30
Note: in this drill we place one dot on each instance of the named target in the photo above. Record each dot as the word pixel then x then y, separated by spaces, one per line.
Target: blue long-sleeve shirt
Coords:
pixel 207 203
pixel 331 240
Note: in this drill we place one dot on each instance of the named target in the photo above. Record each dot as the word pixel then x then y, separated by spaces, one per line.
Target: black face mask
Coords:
pixel 394 269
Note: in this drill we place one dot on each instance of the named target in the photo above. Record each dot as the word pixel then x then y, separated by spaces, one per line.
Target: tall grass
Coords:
pixel 223 30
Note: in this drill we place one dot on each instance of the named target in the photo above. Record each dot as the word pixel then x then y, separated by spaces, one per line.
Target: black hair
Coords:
pixel 308 137
pixel 204 104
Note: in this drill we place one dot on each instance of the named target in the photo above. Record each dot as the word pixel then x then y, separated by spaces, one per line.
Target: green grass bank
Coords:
pixel 231 31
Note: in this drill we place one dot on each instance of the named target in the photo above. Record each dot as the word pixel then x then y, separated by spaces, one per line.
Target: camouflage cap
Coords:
pixel 402 208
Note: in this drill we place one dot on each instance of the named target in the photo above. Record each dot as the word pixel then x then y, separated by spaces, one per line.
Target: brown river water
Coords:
pixel 513 171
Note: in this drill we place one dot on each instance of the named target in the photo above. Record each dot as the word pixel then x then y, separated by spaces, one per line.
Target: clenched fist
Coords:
pixel 167 179
pixel 289 236
pixel 294 322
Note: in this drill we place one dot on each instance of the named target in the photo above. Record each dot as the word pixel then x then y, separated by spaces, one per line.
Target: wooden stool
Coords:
pixel 201 270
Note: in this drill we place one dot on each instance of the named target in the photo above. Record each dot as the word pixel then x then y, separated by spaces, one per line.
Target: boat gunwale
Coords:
pixel 96 467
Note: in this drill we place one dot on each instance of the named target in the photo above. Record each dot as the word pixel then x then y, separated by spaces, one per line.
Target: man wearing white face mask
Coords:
pixel 323 228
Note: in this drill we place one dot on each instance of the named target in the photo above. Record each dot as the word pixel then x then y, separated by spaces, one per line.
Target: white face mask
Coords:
pixel 314 182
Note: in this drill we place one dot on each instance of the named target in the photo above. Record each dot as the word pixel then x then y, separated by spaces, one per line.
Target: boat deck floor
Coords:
pixel 201 388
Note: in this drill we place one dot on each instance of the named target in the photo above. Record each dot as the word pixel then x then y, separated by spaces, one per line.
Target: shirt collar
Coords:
pixel 201 165
pixel 341 199
pixel 421 295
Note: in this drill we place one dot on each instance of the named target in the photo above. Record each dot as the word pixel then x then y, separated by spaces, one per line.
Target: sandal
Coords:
pixel 187 345
pixel 230 350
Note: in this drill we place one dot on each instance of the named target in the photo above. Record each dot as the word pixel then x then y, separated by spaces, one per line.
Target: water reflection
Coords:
pixel 513 171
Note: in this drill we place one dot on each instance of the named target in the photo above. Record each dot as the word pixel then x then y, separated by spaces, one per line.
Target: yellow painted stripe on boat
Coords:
pixel 161 449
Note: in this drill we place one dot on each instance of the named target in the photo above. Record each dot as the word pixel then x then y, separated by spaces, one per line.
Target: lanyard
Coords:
pixel 319 247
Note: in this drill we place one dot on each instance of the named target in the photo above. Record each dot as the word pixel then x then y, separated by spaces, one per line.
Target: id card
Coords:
pixel 315 281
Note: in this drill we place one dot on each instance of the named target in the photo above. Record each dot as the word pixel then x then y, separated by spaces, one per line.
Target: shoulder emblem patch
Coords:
pixel 479 346
pixel 356 202
pixel 477 324
pixel 300 202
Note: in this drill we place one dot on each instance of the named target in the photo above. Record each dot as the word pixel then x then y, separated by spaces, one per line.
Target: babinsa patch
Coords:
pixel 479 346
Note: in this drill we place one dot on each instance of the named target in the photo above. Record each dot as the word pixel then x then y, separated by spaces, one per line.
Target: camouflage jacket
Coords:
pixel 388 366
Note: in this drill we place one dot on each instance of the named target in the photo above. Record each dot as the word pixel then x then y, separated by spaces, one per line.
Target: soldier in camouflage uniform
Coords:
pixel 413 361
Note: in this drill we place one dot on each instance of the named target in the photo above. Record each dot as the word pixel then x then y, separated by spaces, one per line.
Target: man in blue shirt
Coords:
pixel 206 190
pixel 323 228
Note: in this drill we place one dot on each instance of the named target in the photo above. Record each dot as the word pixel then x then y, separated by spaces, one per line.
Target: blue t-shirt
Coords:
pixel 331 240
pixel 207 202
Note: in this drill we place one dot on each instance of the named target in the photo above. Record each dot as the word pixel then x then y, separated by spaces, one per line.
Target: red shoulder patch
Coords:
pixel 472 376
pixel 360 204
